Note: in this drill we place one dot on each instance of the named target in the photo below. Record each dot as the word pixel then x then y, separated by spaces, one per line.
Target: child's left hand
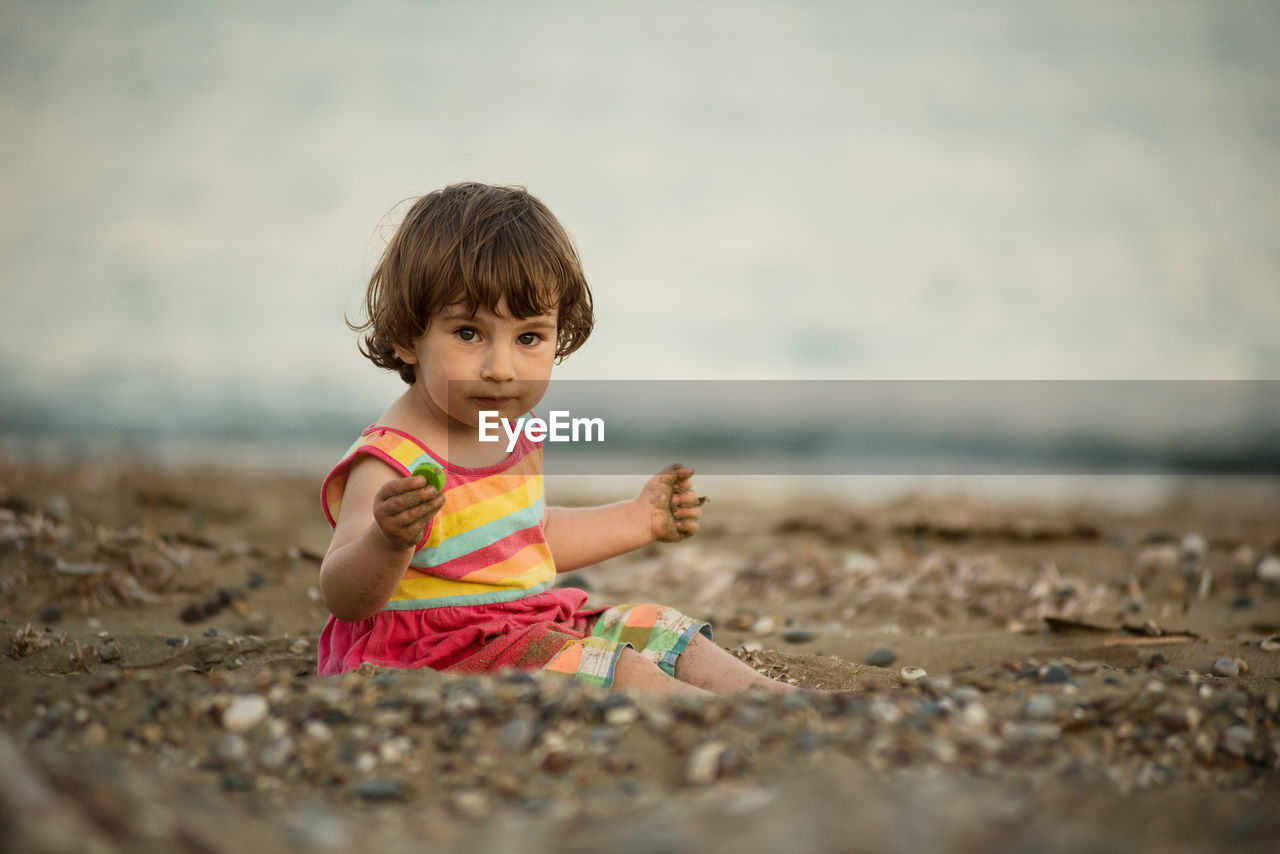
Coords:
pixel 673 504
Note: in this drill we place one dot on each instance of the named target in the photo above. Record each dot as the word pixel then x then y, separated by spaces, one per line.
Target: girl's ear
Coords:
pixel 406 354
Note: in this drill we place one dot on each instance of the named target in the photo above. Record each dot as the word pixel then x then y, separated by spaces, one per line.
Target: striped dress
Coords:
pixel 479 592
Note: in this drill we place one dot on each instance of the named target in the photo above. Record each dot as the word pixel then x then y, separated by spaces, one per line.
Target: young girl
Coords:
pixel 478 293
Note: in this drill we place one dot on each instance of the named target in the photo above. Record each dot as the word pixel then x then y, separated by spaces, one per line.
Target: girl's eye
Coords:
pixel 529 339
pixel 466 333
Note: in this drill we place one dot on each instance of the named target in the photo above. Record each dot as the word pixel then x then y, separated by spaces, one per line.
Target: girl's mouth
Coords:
pixel 494 402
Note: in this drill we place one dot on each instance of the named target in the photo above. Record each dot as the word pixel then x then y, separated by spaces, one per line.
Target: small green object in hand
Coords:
pixel 432 472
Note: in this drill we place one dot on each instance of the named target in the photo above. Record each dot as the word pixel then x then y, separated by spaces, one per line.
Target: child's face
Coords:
pixel 491 361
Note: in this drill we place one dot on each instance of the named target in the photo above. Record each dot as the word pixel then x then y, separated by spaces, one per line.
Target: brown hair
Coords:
pixel 472 245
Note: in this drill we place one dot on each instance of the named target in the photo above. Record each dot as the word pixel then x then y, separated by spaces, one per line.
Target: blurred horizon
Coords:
pixel 193 196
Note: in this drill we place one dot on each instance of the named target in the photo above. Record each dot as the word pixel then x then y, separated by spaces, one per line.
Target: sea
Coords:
pixel 991 200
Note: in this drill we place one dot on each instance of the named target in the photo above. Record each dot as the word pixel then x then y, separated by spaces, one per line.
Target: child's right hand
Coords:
pixel 402 508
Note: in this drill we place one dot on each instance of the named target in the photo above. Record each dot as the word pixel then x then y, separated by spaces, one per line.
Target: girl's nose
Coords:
pixel 498 364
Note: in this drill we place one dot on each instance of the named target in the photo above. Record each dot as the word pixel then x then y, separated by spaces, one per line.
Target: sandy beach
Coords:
pixel 1007 676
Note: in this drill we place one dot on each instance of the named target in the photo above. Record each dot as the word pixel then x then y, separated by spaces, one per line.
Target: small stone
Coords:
pixel 703 765
pixel 1237 740
pixel 109 652
pixel 95 735
pixel 913 674
pixel 798 636
pixel 937 686
pixel 380 790
pixel 276 754
pixel 51 615
pixel 557 762
pixel 1268 568
pixel 1194 547
pixel 882 657
pixel 1182 720
pixel 211 632
pixel 1271 644
pixel 1243 601
pixel 1040 707
pixel 975 715
pixel 192 613
pixel 1226 667
pixel 176 641
pixel 1054 674
pixel 516 735
pixel 245 713
pixel 59 508
pixel 471 803
pixel 237 782
pixel 317 731
pixel 1084 668
pixel 231 748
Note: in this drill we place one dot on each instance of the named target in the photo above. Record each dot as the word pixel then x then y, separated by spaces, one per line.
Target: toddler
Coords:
pixel 479 292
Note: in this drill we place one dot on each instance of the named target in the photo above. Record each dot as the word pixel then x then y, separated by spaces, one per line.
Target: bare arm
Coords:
pixel 667 510
pixel 382 519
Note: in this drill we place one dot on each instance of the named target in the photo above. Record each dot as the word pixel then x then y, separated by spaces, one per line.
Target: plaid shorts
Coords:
pixel 659 634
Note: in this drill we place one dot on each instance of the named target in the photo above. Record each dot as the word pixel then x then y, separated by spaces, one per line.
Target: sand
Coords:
pixel 1091 677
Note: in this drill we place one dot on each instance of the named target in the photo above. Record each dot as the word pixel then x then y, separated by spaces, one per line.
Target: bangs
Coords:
pixel 515 264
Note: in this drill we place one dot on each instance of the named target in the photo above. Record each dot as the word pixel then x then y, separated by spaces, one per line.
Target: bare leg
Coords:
pixel 708 666
pixel 634 672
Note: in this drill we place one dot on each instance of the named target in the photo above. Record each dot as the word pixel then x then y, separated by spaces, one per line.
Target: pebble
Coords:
pixel 913 674
pixel 245 713
pixel 1226 667
pixel 1054 674
pixel 276 754
pixel 937 686
pixel 380 790
pixel 1268 568
pixel 1040 707
pixel 1194 547
pixel 237 782
pixel 231 748
pixel 798 636
pixel 703 764
pixel 317 731
pixel 471 803
pixel 516 735
pixel 50 615
pixel 1271 644
pixel 882 657
pixel 1237 740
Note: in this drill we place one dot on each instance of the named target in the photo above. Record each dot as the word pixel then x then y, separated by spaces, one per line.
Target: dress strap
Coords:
pixel 395 448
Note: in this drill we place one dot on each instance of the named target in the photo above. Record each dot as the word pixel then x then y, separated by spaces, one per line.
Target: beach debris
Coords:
pixel 1226 667
pixel 912 673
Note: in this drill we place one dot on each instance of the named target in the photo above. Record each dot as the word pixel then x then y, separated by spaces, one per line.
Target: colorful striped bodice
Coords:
pixel 485 545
